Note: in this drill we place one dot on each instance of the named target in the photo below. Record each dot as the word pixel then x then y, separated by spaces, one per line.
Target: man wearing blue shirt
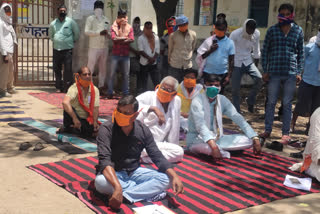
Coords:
pixel 219 55
pixel 309 89
pixel 63 32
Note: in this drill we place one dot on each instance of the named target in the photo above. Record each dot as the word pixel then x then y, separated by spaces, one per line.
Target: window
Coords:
pixel 259 11
pixel 179 8
pixel 205 12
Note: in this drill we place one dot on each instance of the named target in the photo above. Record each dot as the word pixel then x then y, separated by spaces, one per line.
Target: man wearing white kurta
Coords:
pixel 206 134
pixel 96 28
pixel 312 150
pixel 161 114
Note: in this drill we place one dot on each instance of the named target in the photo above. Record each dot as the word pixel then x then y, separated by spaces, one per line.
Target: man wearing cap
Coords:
pixel 181 46
pixel 161 114
pixel 96 29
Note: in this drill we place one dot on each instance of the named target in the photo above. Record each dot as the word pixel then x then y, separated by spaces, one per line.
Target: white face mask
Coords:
pixel 98 12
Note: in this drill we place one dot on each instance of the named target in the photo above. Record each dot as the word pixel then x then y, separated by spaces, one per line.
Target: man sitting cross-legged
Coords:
pixel 119 148
pixel 81 106
pixel 161 114
pixel 205 133
pixel 187 90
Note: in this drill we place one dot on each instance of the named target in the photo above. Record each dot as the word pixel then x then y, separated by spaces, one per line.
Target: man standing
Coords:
pixel 135 55
pixel 282 62
pixel 63 32
pixel 7 41
pixel 216 54
pixel 81 106
pixel 149 48
pixel 161 114
pixel 96 28
pixel 122 36
pixel 119 148
pixel 181 46
pixel 164 41
pixel 246 41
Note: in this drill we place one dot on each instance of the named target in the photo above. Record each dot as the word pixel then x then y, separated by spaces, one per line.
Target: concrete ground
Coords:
pixel 24 191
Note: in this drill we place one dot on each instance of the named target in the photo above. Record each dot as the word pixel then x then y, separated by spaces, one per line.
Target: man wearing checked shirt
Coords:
pixel 282 62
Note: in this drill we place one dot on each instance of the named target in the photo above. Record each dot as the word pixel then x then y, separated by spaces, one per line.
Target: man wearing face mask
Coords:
pixel 216 54
pixel 7 41
pixel 282 62
pixel 149 48
pixel 309 88
pixel 181 46
pixel 97 27
pixel 120 175
pixel 63 32
pixel 135 55
pixel 246 60
pixel 164 42
pixel 81 106
pixel 206 134
pixel 161 114
pixel 122 36
pixel 187 91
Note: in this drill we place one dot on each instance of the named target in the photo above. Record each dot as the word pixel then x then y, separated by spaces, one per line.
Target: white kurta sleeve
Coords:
pixel 175 129
pixel 198 115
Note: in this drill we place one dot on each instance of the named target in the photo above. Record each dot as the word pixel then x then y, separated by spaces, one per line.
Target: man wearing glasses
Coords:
pixel 161 114
pixel 81 106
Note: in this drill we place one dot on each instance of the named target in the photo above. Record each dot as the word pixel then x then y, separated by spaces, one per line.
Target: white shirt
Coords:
pixel 7 38
pixel 245 49
pixel 143 45
pixel 93 28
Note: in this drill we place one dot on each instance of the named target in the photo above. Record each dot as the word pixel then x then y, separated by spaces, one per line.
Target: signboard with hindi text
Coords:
pixel 32 31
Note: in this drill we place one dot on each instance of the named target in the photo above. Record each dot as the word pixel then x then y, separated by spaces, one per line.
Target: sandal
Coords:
pixel 24 146
pixel 297 155
pixel 264 135
pixel 286 139
pixel 275 145
pixel 38 147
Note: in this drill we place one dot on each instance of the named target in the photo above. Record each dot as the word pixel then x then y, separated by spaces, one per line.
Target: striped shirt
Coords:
pixel 283 54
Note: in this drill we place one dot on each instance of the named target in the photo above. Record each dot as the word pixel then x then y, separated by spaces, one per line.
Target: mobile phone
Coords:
pixel 214 41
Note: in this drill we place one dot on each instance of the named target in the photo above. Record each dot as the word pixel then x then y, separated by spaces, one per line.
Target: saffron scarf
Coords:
pixel 92 99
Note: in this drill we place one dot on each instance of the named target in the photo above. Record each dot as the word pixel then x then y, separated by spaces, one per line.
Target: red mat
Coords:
pixel 106 106
pixel 237 183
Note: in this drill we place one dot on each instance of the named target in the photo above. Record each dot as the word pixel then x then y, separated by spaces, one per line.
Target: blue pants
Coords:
pixel 254 73
pixel 289 86
pixel 140 185
pixel 124 62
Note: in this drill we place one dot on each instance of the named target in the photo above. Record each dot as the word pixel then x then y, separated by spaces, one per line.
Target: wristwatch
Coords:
pixel 255 138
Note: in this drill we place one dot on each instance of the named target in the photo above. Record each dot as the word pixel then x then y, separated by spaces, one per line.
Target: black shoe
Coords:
pixel 250 107
pixel 109 96
pixel 275 145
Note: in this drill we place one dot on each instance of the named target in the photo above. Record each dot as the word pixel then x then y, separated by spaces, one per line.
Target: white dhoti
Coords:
pixel 166 135
pixel 225 143
pixel 99 56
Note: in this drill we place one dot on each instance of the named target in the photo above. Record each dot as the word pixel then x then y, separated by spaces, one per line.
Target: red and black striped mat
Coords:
pixel 232 184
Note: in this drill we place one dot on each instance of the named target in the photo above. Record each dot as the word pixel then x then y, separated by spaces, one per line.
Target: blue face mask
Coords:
pixel 212 91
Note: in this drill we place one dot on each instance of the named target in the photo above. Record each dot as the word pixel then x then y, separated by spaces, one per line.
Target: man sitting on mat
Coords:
pixel 119 149
pixel 161 114
pixel 205 133
pixel 311 154
pixel 81 106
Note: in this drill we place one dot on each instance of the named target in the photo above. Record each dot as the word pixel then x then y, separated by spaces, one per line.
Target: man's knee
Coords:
pixel 102 185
